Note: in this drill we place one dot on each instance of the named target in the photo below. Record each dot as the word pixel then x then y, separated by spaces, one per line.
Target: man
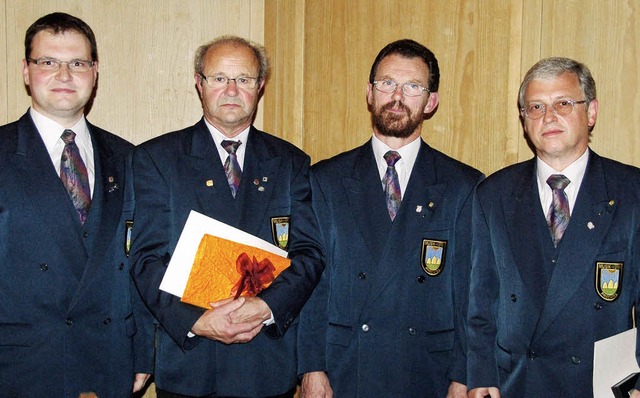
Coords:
pixel 387 317
pixel 70 317
pixel 553 264
pixel 266 182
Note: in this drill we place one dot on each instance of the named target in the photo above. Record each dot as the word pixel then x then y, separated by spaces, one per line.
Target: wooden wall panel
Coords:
pixel 146 84
pixel 4 69
pixel 475 43
pixel 605 35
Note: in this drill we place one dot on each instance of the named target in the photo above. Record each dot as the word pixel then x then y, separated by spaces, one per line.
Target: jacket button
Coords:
pixel 421 279
pixel 44 267
pixel 575 360
pixel 514 298
pixel 69 321
pixel 85 234
pixel 365 328
pixel 597 306
pixel 362 275
pixel 121 266
pixel 107 321
pixel 531 354
pixel 412 331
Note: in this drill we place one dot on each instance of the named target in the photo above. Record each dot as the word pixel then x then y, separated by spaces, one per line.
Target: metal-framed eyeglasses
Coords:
pixel 49 64
pixel 221 81
pixel 388 86
pixel 563 107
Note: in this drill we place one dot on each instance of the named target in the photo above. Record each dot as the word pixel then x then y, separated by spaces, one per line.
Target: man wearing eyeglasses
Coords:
pixel 71 320
pixel 387 318
pixel 555 248
pixel 227 169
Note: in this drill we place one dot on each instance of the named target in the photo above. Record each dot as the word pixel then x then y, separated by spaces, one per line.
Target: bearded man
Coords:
pixel 387 318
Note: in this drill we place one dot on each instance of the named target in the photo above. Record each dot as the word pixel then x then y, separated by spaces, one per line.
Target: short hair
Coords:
pixel 553 67
pixel 258 50
pixel 408 48
pixel 59 22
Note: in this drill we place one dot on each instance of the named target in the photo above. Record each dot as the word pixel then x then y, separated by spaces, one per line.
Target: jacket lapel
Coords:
pixel 259 183
pixel 590 221
pixel 366 198
pixel 524 219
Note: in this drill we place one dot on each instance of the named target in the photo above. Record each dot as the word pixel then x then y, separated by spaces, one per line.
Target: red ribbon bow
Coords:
pixel 254 275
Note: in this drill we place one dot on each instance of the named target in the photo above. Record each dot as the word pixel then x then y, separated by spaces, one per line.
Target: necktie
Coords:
pixel 74 176
pixel 392 184
pixel 558 218
pixel 231 165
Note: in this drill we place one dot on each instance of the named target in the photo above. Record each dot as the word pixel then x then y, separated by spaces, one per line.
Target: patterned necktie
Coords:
pixel 392 184
pixel 231 165
pixel 558 218
pixel 74 176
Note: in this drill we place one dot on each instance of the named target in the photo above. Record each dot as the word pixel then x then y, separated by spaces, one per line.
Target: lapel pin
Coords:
pixel 590 225
pixel 209 183
pixel 256 182
pixel 418 208
pixel 261 189
pixel 431 204
pixel 265 179
pixel 110 178
pixel 612 202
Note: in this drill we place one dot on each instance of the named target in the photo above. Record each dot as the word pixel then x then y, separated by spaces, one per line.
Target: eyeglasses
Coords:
pixel 536 110
pixel 52 65
pixel 409 89
pixel 220 81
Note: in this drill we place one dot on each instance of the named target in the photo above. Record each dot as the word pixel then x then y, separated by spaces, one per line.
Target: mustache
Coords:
pixel 396 104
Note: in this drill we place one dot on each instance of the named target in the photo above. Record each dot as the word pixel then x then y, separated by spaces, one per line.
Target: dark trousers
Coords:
pixel 166 394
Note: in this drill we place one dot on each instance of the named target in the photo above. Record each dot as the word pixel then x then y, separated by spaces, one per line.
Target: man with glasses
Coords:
pixel 555 248
pixel 387 319
pixel 225 168
pixel 71 320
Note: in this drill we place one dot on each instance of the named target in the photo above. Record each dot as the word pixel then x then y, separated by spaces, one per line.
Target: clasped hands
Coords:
pixel 233 321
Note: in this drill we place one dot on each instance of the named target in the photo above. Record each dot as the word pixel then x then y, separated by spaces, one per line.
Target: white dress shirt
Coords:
pixel 404 165
pixel 51 133
pixel 574 172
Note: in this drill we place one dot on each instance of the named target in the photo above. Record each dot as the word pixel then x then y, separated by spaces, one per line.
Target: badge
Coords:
pixel 280 231
pixel 433 256
pixel 608 280
pixel 128 225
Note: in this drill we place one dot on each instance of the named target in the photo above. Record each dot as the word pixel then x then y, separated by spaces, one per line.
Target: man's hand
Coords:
pixel 457 390
pixel 140 380
pixel 482 392
pixel 216 323
pixel 253 310
pixel 315 385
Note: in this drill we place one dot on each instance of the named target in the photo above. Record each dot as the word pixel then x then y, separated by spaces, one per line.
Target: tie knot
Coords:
pixel 558 181
pixel 68 136
pixel 391 157
pixel 231 146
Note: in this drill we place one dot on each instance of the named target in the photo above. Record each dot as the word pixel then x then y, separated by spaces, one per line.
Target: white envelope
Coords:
pixel 614 358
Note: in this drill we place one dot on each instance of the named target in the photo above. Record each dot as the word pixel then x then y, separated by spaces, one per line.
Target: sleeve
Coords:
pixel 293 287
pixel 462 249
pixel 151 249
pixel 482 369
pixel 312 328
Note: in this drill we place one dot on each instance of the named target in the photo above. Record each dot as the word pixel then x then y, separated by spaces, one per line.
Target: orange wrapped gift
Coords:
pixel 223 269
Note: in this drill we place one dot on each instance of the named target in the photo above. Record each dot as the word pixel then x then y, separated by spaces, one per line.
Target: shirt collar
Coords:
pixel 408 153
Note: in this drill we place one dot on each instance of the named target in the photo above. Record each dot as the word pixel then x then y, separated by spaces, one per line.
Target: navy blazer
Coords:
pixel 378 323
pixel 61 333
pixel 171 175
pixel 535 312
